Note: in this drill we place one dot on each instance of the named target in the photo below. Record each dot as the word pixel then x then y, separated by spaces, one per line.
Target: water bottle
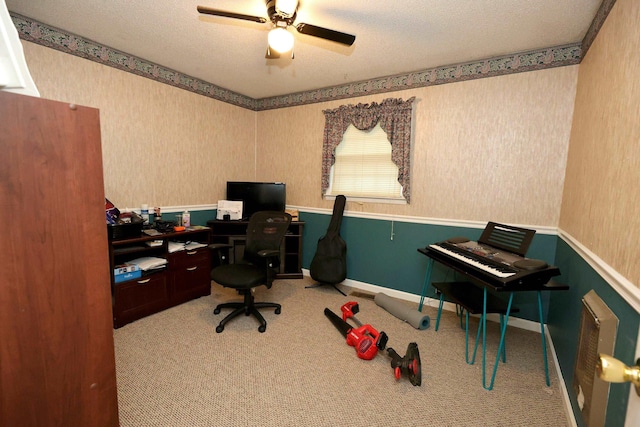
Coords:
pixel 186 219
pixel 144 213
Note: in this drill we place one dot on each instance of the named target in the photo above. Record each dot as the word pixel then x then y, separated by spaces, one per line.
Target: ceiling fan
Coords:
pixel 282 14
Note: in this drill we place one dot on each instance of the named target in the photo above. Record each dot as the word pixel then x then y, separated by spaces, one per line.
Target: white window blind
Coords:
pixel 363 166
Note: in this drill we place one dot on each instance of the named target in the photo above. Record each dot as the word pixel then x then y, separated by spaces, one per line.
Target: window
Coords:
pixel 365 145
pixel 363 166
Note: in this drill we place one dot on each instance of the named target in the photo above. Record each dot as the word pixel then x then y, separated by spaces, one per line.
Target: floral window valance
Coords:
pixel 394 116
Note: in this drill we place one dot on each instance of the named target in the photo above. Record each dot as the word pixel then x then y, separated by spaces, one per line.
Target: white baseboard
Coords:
pixel 563 384
pixel 430 302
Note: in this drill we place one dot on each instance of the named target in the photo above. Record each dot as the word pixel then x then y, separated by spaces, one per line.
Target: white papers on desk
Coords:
pixel 193 245
pixel 149 263
pixel 175 247
pixel 181 246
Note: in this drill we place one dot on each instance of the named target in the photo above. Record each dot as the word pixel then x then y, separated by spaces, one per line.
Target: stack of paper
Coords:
pixel 149 263
pixel 193 245
pixel 175 247
pixel 181 246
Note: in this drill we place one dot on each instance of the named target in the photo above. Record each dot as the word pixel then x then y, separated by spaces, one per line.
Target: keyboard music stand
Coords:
pixel 512 239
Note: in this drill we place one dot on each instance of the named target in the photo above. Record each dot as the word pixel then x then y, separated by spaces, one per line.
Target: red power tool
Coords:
pixel 408 365
pixel 349 310
pixel 364 338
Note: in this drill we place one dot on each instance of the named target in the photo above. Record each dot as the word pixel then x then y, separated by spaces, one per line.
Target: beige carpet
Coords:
pixel 173 369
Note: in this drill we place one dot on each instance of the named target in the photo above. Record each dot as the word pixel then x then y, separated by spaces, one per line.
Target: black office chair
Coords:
pixel 259 265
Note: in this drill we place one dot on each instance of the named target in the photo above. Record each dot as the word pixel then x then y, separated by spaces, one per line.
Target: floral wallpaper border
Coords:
pixel 516 63
pixel 39 33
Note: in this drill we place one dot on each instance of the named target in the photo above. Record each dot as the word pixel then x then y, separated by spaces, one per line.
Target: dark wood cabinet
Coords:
pixel 185 277
pixel 234 232
pixel 56 339
pixel 138 298
pixel 190 275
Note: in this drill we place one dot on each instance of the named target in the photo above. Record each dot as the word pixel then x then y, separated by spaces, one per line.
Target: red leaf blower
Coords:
pixel 367 341
pixel 364 339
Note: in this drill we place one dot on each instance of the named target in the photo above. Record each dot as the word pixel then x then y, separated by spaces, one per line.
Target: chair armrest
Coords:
pixel 222 250
pixel 272 257
pixel 266 253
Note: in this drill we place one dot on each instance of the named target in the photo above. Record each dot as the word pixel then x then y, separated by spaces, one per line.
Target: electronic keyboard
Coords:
pixel 496 268
pixel 491 265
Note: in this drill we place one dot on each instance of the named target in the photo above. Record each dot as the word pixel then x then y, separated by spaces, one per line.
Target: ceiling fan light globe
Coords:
pixel 280 40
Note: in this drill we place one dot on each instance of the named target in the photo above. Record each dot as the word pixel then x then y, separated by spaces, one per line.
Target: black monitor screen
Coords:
pixel 257 196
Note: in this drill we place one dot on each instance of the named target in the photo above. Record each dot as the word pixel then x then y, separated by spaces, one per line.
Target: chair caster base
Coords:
pixel 248 307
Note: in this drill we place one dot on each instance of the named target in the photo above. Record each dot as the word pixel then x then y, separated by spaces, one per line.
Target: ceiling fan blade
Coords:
pixel 216 12
pixel 325 33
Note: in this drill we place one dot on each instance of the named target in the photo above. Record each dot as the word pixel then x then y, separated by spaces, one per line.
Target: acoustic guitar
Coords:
pixel 329 264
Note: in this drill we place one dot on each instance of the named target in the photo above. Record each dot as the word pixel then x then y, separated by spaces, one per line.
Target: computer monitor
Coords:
pixel 257 196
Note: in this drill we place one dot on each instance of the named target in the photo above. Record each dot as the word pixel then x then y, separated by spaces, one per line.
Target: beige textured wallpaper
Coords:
pixel 488 149
pixel 601 205
pixel 161 145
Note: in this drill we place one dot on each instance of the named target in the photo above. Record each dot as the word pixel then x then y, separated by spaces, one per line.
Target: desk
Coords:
pixel 475 302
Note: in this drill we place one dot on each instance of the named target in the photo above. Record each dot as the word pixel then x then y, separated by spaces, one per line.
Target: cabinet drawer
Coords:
pixel 191 277
pixel 139 298
pixel 187 259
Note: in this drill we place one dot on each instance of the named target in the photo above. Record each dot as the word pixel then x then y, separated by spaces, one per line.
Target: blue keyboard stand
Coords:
pixel 486 301
pixel 469 298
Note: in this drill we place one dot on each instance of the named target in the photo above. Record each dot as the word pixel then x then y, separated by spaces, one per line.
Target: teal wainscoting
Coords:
pixel 564 326
pixel 201 217
pixel 373 257
pixel 197 217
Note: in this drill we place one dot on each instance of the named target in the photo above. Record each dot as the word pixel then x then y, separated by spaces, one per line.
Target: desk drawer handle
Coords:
pixel 192 252
pixel 192 268
pixel 142 282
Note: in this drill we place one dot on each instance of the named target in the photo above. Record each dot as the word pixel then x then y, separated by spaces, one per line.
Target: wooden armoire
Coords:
pixel 57 365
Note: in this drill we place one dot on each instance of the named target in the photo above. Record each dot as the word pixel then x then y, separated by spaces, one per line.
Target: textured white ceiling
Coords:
pixel 392 37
